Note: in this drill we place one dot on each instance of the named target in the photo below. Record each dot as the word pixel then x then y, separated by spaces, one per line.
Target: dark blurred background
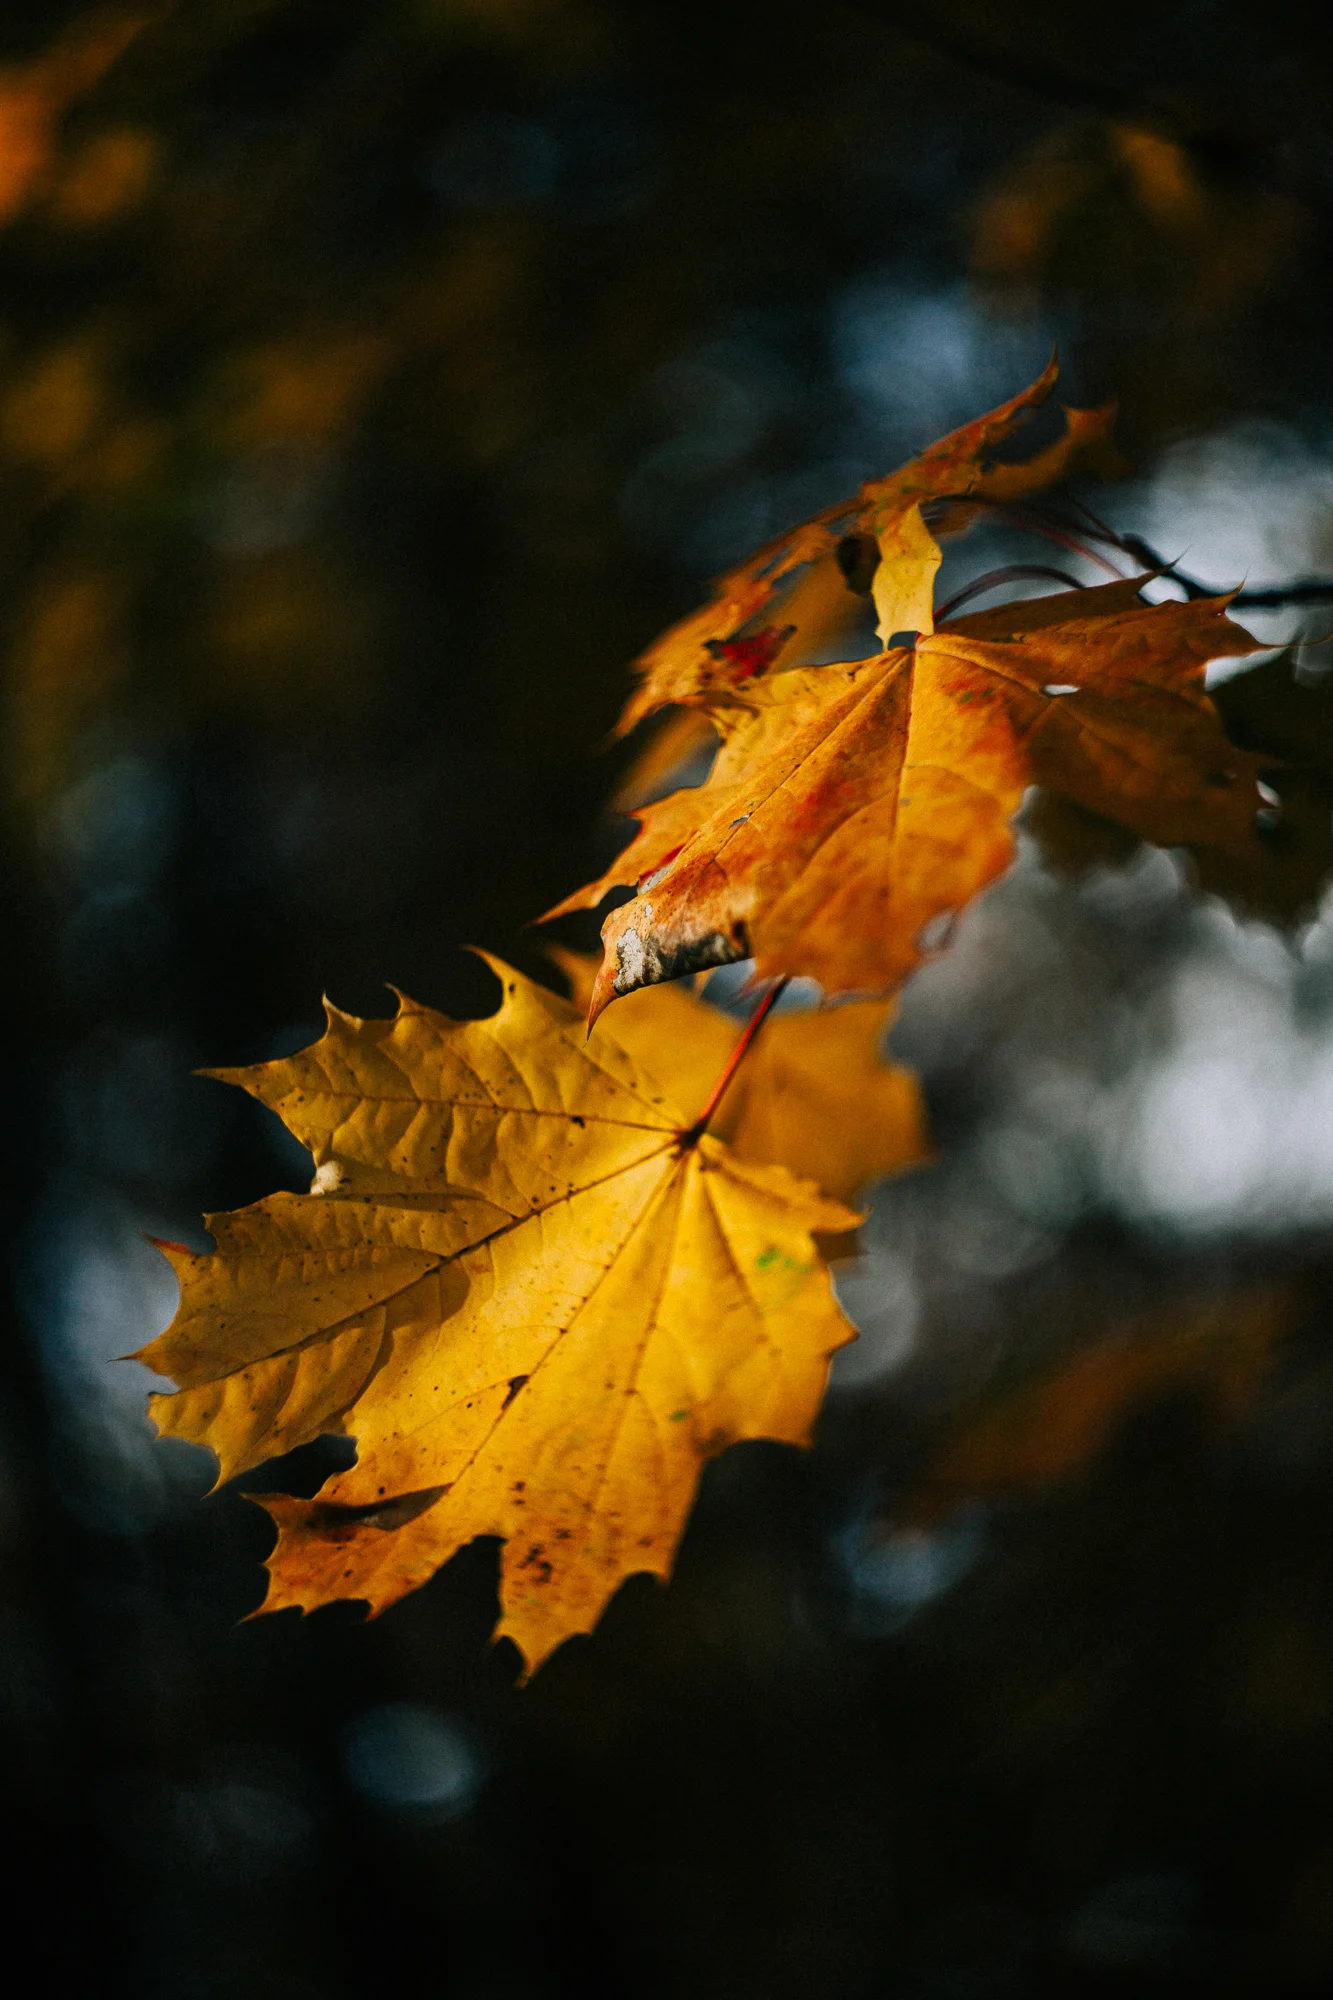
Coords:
pixel 375 380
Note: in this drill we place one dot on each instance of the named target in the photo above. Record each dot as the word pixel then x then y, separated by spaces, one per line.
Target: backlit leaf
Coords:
pixel 855 809
pixel 799 591
pixel 537 1307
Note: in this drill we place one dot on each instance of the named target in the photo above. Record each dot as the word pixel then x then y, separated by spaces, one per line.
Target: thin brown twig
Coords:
pixel 1035 520
pixel 1011 573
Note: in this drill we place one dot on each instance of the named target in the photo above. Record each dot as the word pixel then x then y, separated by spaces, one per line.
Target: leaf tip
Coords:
pixel 602 994
pixel 167 1247
pixel 1046 381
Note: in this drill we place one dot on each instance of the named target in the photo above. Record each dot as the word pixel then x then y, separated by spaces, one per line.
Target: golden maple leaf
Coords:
pixel 811 584
pixel 537 1300
pixel 814 1094
pixel 855 809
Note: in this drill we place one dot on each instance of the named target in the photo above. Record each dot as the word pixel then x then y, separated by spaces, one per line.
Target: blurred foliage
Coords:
pixel 1058 1418
pixel 1125 220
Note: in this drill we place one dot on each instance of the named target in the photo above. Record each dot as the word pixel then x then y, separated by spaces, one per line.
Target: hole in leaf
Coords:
pixel 933 936
pixel 858 559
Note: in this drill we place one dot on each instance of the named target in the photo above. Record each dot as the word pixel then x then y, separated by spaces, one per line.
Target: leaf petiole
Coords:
pixel 693 1133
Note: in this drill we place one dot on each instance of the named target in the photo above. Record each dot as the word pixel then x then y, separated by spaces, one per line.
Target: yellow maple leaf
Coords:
pixel 534 1297
pixel 814 1094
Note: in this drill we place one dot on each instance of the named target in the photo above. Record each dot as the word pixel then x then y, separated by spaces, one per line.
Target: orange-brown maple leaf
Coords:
pixel 855 809
pixel 801 590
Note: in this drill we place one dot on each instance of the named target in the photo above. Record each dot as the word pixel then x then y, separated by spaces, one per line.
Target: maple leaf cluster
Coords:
pixel 543 1275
